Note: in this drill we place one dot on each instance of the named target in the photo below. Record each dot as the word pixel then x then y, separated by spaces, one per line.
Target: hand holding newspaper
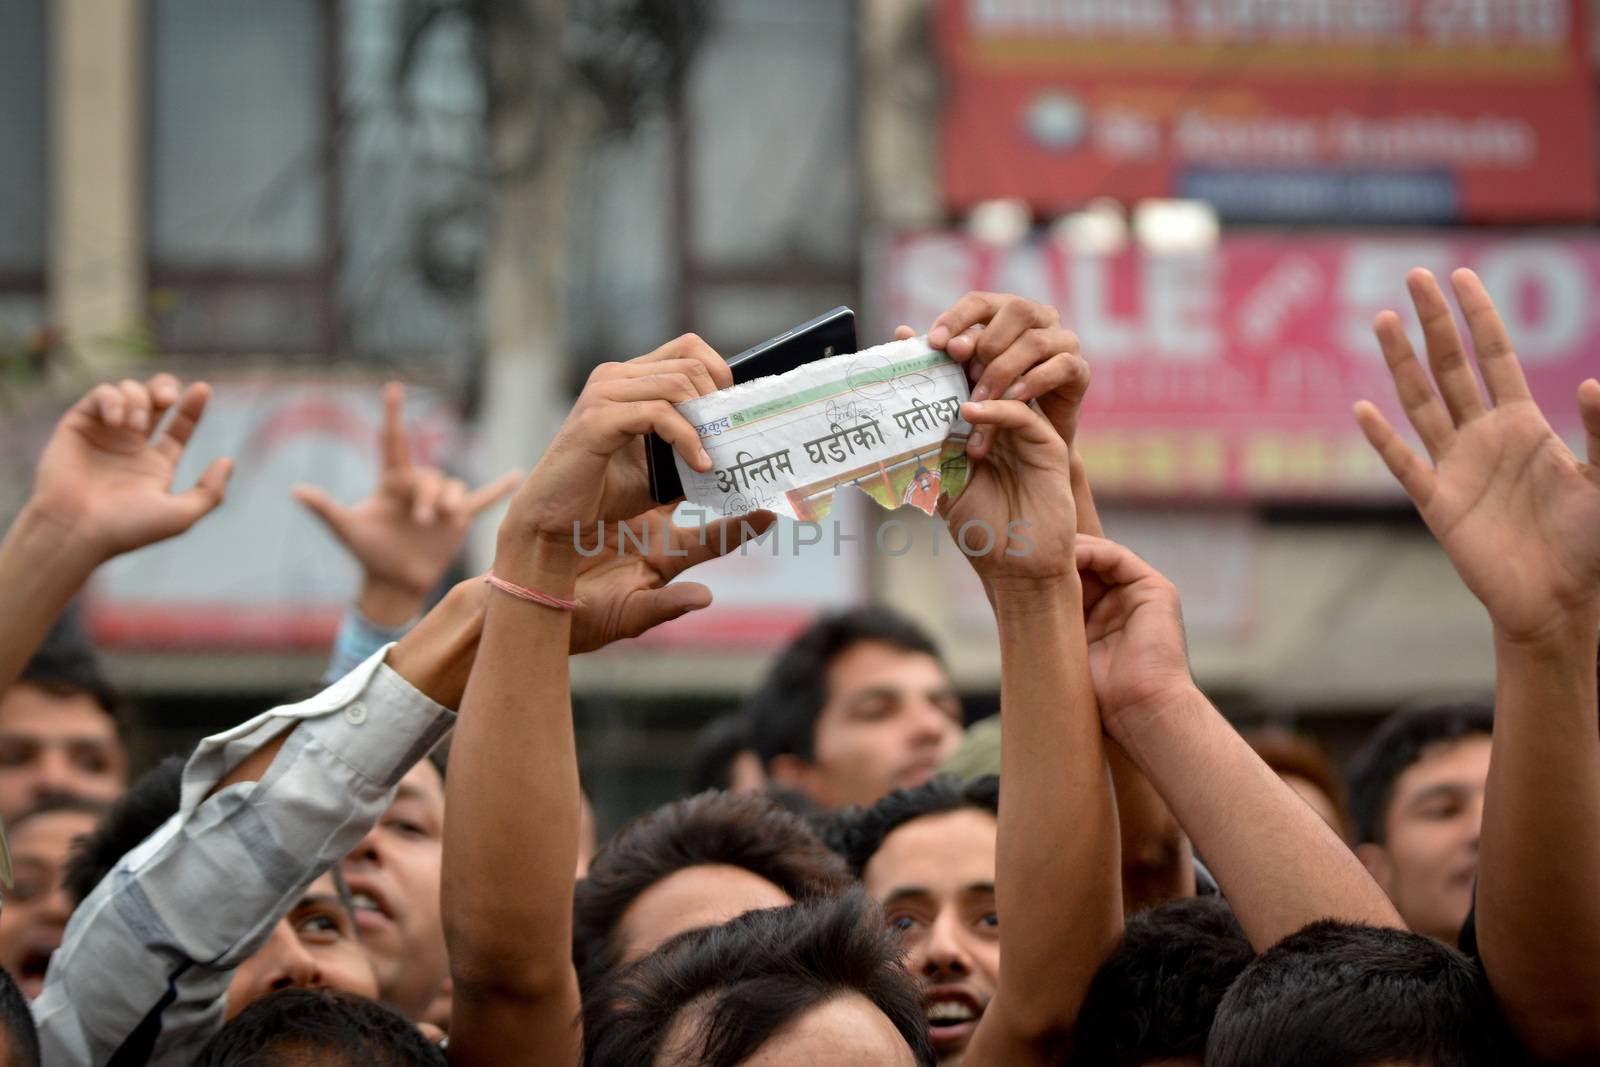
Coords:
pixel 885 420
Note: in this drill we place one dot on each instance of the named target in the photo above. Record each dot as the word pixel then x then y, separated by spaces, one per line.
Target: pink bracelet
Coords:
pixel 531 595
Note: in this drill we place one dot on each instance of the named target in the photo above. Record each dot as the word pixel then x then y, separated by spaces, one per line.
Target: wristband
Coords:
pixel 530 595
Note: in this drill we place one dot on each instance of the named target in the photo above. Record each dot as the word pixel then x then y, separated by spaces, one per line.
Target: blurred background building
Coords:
pixel 298 199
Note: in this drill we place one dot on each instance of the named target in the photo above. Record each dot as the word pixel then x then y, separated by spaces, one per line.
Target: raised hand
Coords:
pixel 1015 518
pixel 407 532
pixel 1016 349
pixel 595 470
pixel 1137 653
pixel 105 478
pixel 623 590
pixel 1517 512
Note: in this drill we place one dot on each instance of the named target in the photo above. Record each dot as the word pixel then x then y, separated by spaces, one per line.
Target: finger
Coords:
pixel 185 417
pixel 1502 373
pixel 452 500
pixel 1083 498
pixel 1014 373
pixel 690 346
pixel 1589 409
pixel 616 424
pixel 1446 356
pixel 207 494
pixel 971 310
pixel 493 493
pixel 136 405
pixel 673 388
pixel 323 507
pixel 1414 476
pixel 164 391
pixel 692 545
pixel 426 485
pixel 105 403
pixel 1412 386
pixel 904 333
pixel 649 608
pixel 394 445
pixel 1112 563
pixel 1016 340
pixel 692 369
pixel 1034 438
pixel 1060 384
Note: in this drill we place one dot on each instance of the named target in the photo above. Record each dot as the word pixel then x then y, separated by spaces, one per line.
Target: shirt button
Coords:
pixel 356 714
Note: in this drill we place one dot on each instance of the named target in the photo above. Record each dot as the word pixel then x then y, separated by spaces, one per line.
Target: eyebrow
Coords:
pixel 312 900
pixel 923 892
pixel 1439 789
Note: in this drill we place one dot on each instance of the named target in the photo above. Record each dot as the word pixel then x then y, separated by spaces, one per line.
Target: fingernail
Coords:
pixel 703 457
pixel 938 336
pixel 1015 392
pixel 980 394
pixel 975 441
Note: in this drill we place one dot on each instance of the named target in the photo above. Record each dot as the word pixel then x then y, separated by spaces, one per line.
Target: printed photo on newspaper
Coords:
pixel 885 420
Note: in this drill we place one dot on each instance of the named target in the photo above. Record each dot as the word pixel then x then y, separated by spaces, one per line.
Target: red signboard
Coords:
pixel 1405 110
pixel 1232 374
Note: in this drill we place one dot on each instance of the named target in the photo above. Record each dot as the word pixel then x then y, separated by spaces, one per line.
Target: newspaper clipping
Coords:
pixel 885 420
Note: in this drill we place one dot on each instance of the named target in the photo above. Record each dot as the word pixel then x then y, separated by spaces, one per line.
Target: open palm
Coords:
pixel 103 475
pixel 1517 512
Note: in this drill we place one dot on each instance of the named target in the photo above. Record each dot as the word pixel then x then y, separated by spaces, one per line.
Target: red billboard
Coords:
pixel 1405 110
pixel 1231 374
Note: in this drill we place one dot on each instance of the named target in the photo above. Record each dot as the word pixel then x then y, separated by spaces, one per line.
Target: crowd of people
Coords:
pixel 402 868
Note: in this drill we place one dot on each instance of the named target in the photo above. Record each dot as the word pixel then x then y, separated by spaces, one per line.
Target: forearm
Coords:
pixel 1538 915
pixel 512 824
pixel 43 565
pixel 1277 862
pixel 1058 880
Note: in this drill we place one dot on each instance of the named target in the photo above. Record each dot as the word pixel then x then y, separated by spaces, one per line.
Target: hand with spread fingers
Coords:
pixel 106 475
pixel 1015 349
pixel 406 533
pixel 1517 512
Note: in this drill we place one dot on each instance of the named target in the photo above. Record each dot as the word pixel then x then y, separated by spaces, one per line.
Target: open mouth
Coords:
pixel 31 970
pixel 371 910
pixel 952 1016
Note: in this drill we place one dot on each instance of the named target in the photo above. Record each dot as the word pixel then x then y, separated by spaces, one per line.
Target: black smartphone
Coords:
pixel 832 333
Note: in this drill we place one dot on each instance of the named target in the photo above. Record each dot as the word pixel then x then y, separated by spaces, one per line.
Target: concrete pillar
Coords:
pixel 96 271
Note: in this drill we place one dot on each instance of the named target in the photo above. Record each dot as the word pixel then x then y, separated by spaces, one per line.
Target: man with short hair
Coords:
pixel 1416 792
pixel 37 904
pixel 858 705
pixel 1337 994
pixel 59 735
pixel 296 1027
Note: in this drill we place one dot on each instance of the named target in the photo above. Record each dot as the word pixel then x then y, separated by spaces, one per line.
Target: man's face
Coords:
pixel 707 894
pixel 393 877
pixel 934 877
pixel 36 907
pixel 890 719
pixel 56 746
pixel 1429 858
pixel 314 946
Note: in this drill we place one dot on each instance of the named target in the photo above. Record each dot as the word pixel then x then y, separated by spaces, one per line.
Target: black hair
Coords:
pixel 783 711
pixel 1344 995
pixel 858 833
pixel 1398 743
pixel 64 669
pixel 1154 998
pixel 21 1041
pixel 747 979
pixel 716 746
pixel 137 814
pixel 293 1027
pixel 744 831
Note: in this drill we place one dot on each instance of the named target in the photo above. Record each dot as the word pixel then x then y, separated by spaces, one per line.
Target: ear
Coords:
pixel 789 770
pixel 1375 858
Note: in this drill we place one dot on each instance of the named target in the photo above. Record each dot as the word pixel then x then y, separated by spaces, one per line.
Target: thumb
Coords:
pixel 649 608
pixel 207 493
pixel 323 507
